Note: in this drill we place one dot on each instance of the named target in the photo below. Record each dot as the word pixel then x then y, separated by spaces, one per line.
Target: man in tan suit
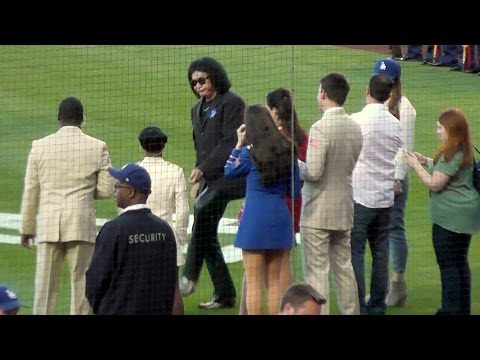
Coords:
pixel 65 172
pixel 335 142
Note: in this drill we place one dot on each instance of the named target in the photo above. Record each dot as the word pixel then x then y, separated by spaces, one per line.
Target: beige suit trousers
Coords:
pixel 50 256
pixel 322 248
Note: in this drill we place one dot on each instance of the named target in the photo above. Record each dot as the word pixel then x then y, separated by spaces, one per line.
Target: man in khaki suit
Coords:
pixel 65 172
pixel 335 142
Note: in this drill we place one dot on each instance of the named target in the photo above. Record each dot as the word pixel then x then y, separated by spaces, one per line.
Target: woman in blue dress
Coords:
pixel 265 234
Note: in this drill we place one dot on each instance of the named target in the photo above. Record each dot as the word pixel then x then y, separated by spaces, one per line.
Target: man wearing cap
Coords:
pixel 400 107
pixel 169 193
pixel 9 303
pixel 65 172
pixel 301 299
pixel 133 269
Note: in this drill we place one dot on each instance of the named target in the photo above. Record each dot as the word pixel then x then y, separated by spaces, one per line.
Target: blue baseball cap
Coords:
pixel 388 67
pixel 8 299
pixel 134 175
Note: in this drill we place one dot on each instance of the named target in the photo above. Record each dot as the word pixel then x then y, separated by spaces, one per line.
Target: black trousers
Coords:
pixel 451 251
pixel 209 208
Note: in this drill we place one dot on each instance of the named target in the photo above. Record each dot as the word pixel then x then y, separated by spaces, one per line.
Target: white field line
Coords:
pixel 226 226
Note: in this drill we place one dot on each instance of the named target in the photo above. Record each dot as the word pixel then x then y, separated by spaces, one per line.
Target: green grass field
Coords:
pixel 125 88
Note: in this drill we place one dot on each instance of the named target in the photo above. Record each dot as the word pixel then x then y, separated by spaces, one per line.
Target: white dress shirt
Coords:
pixel 374 172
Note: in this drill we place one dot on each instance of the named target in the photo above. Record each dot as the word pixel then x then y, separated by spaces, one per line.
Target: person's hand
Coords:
pixel 195 176
pixel 27 240
pixel 194 190
pixel 397 187
pixel 411 159
pixel 421 159
pixel 241 131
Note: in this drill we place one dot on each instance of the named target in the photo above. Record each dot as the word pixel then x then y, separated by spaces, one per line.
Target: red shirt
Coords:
pixel 297 204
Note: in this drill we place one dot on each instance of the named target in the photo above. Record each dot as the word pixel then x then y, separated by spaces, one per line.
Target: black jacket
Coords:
pixel 216 135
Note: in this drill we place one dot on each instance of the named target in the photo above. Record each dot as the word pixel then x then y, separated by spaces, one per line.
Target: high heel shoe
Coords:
pixel 397 296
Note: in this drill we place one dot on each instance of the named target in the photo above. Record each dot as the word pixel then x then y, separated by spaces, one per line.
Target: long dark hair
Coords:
pixel 270 151
pixel 281 99
pixel 216 74
pixel 394 102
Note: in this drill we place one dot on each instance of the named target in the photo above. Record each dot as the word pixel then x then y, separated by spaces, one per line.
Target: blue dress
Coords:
pixel 266 221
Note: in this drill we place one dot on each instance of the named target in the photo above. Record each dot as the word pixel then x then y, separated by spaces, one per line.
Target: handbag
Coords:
pixel 476 172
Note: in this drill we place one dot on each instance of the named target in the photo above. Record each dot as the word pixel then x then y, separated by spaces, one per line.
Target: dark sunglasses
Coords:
pixel 201 81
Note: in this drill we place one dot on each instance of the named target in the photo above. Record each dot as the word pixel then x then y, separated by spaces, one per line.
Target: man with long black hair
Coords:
pixel 215 119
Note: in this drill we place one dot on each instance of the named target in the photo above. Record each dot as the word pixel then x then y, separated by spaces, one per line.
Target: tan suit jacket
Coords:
pixel 169 196
pixel 65 172
pixel 335 142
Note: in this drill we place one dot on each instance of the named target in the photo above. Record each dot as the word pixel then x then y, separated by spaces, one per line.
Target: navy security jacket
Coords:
pixel 134 266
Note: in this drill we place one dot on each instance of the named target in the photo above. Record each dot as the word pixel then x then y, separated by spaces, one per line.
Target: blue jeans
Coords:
pixel 414 51
pixel 451 251
pixel 451 54
pixel 372 225
pixel 396 236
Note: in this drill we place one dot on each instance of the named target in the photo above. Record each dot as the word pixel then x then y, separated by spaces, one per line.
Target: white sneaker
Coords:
pixel 187 287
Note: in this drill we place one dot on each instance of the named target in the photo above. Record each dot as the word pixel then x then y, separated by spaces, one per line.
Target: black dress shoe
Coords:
pixel 217 304
pixel 444 64
pixel 406 58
